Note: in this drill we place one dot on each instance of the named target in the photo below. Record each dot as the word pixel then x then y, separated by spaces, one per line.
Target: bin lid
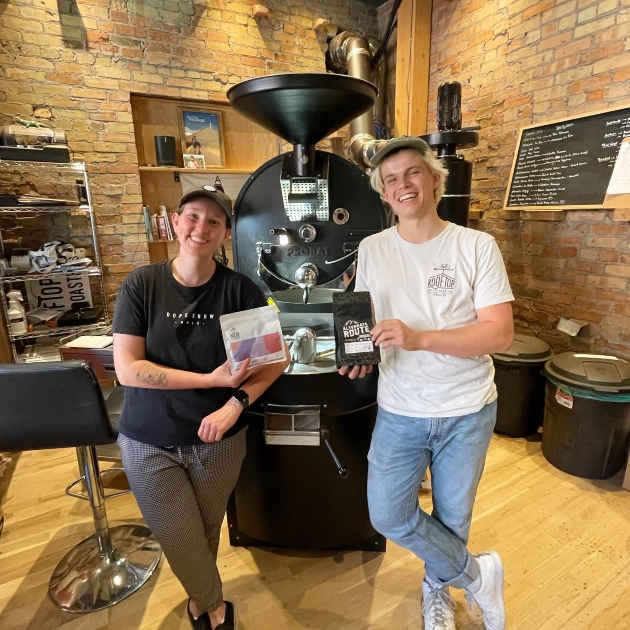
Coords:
pixel 593 372
pixel 525 349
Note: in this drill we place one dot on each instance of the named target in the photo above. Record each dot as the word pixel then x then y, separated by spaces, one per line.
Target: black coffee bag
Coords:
pixel 352 313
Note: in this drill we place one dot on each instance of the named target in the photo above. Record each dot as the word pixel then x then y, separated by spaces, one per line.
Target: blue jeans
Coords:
pixel 455 450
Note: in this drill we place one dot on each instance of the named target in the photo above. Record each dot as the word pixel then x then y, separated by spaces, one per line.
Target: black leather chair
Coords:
pixel 58 405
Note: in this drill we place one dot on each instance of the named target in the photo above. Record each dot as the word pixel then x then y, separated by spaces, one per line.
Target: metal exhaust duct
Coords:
pixel 350 50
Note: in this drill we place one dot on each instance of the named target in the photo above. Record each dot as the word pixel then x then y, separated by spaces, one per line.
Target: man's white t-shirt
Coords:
pixel 437 285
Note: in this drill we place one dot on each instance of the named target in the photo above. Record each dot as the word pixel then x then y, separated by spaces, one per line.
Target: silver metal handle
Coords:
pixel 331 262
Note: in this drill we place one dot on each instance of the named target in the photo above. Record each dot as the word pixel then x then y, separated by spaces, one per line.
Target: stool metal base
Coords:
pixel 86 580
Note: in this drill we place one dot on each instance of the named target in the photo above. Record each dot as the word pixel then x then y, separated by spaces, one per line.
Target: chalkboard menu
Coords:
pixel 567 163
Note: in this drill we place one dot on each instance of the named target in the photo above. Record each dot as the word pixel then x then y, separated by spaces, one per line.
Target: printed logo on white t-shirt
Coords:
pixel 443 282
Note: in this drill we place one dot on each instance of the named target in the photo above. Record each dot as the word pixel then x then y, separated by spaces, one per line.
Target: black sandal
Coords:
pixel 229 623
pixel 202 622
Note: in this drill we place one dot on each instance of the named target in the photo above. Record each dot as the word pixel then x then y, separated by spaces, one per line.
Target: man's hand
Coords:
pixel 355 370
pixel 222 377
pixel 213 426
pixel 392 332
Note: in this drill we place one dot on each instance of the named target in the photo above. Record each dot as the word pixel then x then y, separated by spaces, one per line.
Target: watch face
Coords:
pixel 242 397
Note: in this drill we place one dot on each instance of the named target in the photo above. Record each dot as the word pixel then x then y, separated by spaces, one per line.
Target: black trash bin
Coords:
pixel 587 414
pixel 518 374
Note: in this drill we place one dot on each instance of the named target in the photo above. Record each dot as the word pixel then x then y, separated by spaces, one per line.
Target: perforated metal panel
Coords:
pixel 303 211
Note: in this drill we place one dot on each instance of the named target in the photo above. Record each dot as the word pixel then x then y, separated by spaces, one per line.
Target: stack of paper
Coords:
pixel 91 341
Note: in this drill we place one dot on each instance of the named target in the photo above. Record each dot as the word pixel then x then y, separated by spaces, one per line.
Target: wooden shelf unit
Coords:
pixel 246 147
pixel 162 250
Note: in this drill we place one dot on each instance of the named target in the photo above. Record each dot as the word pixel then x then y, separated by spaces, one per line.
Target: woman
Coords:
pixel 182 431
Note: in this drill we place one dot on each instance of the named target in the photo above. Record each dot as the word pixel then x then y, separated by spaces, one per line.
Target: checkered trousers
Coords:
pixel 182 493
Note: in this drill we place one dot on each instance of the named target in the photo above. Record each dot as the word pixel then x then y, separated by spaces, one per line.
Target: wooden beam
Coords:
pixel 413 48
pixel 6 354
pixel 326 26
pixel 260 11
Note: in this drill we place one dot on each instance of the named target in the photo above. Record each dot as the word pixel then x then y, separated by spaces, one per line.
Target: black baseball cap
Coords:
pixel 209 192
pixel 397 144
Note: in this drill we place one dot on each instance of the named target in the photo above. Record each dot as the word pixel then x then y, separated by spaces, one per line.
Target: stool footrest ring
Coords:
pixel 82 495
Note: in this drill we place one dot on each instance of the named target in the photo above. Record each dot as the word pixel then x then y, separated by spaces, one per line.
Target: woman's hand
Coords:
pixel 392 332
pixel 222 377
pixel 214 425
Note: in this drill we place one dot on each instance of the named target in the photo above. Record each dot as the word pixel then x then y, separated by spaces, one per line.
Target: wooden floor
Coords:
pixel 565 543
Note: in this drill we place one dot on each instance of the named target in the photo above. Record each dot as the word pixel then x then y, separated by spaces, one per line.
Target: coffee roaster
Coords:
pixel 298 223
pixel 301 216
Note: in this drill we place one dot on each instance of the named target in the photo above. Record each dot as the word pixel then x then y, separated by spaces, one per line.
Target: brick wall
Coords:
pixel 73 64
pixel 525 62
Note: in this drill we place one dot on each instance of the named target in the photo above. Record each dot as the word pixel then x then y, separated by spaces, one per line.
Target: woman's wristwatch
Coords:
pixel 242 398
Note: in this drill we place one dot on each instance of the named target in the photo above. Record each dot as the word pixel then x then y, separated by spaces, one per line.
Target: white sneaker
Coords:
pixel 437 607
pixel 487 590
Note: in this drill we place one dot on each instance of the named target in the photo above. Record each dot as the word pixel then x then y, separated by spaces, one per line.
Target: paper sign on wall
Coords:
pixel 620 180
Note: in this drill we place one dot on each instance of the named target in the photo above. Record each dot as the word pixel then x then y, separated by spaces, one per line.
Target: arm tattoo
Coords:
pixel 151 376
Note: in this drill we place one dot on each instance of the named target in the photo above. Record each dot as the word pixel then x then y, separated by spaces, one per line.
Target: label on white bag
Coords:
pixel 566 400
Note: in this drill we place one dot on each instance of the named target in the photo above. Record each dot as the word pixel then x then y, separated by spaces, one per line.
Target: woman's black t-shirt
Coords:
pixel 182 331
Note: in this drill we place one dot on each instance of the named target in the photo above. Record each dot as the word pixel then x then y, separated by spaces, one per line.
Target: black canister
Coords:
pixel 449 106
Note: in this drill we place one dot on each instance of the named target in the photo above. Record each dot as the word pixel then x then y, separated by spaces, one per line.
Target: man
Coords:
pixel 441 301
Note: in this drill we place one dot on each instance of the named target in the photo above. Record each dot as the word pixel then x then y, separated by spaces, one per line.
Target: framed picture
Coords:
pixel 202 135
pixel 192 160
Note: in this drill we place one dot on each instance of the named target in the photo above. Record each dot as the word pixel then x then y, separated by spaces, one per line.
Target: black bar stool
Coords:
pixel 114 398
pixel 59 405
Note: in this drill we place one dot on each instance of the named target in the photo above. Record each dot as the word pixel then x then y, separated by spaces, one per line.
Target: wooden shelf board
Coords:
pixel 214 171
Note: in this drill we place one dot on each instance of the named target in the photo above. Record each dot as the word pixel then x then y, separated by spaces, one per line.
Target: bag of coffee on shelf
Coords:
pixel 253 334
pixel 352 313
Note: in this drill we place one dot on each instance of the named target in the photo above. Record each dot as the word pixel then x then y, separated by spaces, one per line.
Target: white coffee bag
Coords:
pixel 253 334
